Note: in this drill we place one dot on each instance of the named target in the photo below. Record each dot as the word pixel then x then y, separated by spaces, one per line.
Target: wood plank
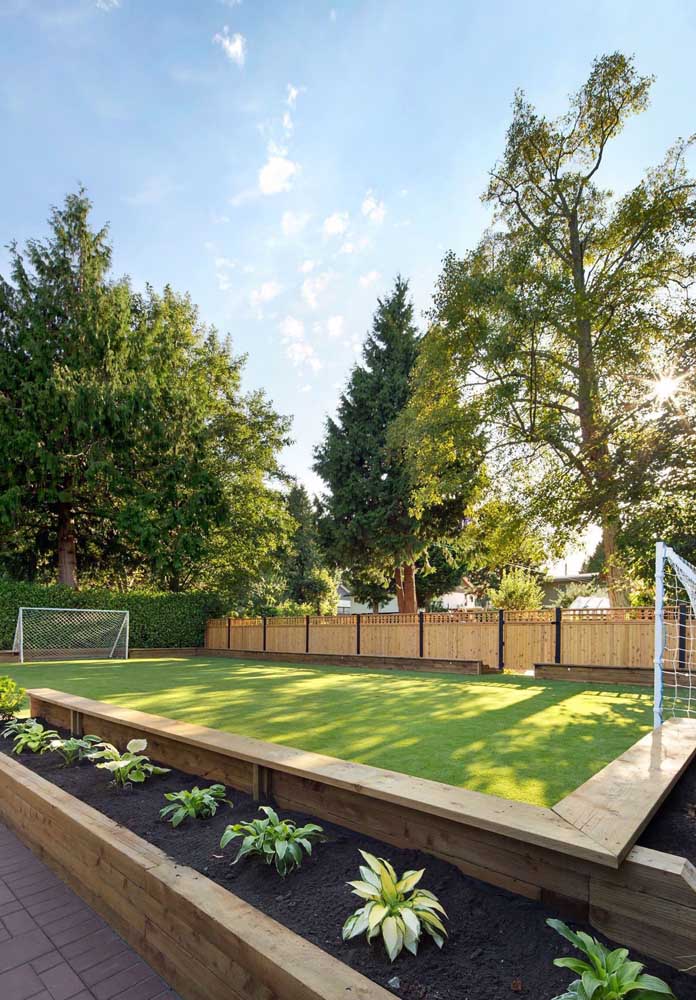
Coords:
pixel 518 820
pixel 616 804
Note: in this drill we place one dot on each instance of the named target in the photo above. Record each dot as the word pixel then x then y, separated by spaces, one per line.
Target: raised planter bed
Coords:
pixel 577 857
pixel 593 674
pixel 422 664
pixel 175 898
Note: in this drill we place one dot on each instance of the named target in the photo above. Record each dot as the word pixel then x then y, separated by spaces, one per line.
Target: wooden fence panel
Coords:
pixel 286 635
pixel 216 633
pixel 617 637
pixel 389 635
pixel 467 635
pixel 530 637
pixel 246 633
pixel 337 634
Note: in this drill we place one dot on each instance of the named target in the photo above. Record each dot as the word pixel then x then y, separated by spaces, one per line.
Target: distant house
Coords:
pixel 461 598
pixel 553 587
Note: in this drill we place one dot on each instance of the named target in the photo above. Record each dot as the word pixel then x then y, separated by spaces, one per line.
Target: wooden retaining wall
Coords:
pixel 577 856
pixel 619 638
pixel 589 674
pixel 205 941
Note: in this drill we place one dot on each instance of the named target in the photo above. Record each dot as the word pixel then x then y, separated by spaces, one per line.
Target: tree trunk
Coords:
pixel 614 570
pixel 67 552
pixel 375 607
pixel 405 577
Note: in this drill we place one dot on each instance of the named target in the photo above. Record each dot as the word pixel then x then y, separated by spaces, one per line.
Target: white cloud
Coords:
pixel 247 194
pixel 292 95
pixel 335 326
pixel 287 123
pixel 231 3
pixel 108 4
pixel 306 266
pixel 336 224
pixel 369 279
pixel 293 223
pixel 223 272
pixel 351 246
pixel 298 350
pixel 265 293
pixel 234 46
pixel 313 287
pixel 373 209
pixel 277 175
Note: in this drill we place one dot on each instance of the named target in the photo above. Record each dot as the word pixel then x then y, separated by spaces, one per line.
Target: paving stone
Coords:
pixel 85 960
pixel 146 990
pixel 74 910
pixel 46 961
pixel 99 939
pixel 79 930
pixel 109 967
pixel 23 949
pixel 20 983
pixel 62 982
pixel 116 984
pixel 19 922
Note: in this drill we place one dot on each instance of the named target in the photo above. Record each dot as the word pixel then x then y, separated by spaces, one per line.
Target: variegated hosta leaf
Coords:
pixel 368 875
pixel 364 890
pixel 136 746
pixel 409 880
pixel 377 914
pixel 392 937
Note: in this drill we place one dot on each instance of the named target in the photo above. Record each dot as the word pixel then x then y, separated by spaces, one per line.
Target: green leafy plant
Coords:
pixel 199 803
pixel 11 698
pixel 131 766
pixel 18 726
pixel 33 738
pixel 609 975
pixel 394 907
pixel 74 748
pixel 276 841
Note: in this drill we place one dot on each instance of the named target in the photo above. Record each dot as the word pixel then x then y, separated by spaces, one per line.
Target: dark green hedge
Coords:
pixel 156 619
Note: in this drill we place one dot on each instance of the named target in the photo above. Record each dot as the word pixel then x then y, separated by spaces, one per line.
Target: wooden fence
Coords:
pixel 612 637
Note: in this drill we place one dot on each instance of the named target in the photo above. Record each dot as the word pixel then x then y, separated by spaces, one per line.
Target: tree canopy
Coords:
pixel 126 442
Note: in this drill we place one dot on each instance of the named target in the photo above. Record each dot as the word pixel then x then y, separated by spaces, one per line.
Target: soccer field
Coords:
pixel 505 735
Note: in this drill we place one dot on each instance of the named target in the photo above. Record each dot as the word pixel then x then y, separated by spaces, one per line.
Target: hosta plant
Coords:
pixel 277 841
pixel 74 748
pixel 394 907
pixel 608 975
pixel 18 726
pixel 199 803
pixel 33 738
pixel 11 698
pixel 131 766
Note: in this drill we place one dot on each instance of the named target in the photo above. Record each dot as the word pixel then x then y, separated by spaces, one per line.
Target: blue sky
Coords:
pixel 283 161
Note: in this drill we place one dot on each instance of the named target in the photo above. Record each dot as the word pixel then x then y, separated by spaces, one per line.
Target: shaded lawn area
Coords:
pixel 512 736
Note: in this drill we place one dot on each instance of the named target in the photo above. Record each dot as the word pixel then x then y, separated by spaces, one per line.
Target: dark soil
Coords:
pixel 498 946
pixel 673 829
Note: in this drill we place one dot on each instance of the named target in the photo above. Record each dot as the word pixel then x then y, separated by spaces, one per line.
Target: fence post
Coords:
pixel 264 621
pixel 682 636
pixel 501 639
pixel 306 633
pixel 557 652
pixel 357 634
pixel 421 627
pixel 229 633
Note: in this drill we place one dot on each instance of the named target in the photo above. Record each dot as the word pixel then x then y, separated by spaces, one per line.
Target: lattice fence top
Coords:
pixel 333 620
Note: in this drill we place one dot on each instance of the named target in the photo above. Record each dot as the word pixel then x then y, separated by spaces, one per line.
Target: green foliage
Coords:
pixel 32 737
pixel 608 975
pixel 553 328
pixel 279 842
pixel 126 442
pixel 156 619
pixel 128 766
pixel 198 803
pixel 308 580
pixel 18 726
pixel 518 591
pixel 74 749
pixel 565 596
pixel 394 907
pixel 11 698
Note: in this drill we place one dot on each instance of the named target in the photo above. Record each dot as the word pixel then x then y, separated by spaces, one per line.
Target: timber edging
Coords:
pixel 206 942
pixel 575 857
pixel 590 673
pixel 424 665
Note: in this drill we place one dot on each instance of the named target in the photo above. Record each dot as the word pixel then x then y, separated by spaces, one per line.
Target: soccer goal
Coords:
pixel 675 635
pixel 69 633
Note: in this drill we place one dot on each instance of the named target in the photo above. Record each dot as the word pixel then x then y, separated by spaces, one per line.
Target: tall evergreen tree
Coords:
pixel 124 435
pixel 308 579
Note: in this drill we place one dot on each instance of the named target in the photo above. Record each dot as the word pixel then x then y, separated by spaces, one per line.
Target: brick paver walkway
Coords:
pixel 54 947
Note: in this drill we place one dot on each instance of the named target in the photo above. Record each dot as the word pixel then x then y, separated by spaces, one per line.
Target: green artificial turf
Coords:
pixel 505 735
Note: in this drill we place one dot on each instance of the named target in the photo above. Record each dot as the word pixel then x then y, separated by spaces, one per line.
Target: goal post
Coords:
pixel 71 633
pixel 675 635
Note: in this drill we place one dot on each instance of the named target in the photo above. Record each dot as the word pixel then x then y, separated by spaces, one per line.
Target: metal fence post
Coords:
pixel 501 639
pixel 264 621
pixel 306 633
pixel 229 633
pixel 557 652
pixel 421 627
pixel 357 634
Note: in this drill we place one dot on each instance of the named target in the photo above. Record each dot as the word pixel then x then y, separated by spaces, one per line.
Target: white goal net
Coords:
pixel 69 633
pixel 675 635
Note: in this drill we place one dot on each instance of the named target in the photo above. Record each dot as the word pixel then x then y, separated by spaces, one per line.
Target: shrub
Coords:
pixel 11 698
pixel 199 803
pixel 609 975
pixel 518 591
pixel 18 726
pixel 394 907
pixel 34 738
pixel 74 749
pixel 275 840
pixel 127 767
pixel 156 619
